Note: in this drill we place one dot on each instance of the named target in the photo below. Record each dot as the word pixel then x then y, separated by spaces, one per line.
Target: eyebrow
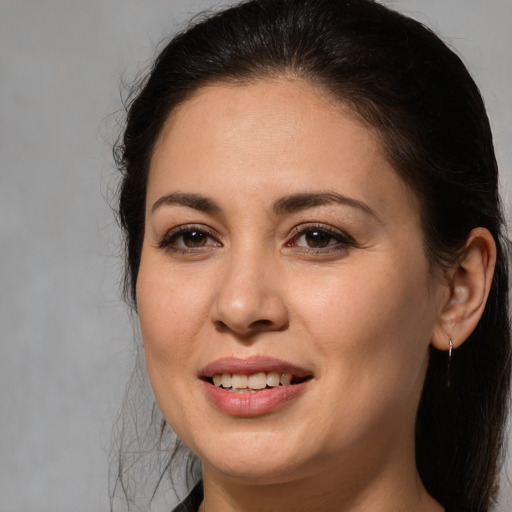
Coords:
pixel 195 201
pixel 287 204
pixel 301 201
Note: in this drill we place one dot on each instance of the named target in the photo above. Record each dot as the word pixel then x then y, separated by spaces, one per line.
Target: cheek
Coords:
pixel 168 310
pixel 170 317
pixel 169 320
pixel 374 322
pixel 361 296
pixel 371 329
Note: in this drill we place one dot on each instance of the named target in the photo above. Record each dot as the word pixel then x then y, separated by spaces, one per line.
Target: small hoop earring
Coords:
pixel 450 350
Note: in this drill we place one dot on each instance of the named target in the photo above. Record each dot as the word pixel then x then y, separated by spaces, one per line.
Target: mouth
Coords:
pixel 254 382
pixel 253 386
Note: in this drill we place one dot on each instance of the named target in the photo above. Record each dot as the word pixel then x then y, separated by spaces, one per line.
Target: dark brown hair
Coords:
pixel 403 81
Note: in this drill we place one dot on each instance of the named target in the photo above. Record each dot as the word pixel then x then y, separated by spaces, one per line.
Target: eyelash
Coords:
pixel 175 234
pixel 342 240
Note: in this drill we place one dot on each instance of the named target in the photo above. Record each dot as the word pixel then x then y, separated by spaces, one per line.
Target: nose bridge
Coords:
pixel 248 297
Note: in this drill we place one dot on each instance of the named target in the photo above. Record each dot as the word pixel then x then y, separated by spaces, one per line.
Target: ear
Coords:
pixel 469 282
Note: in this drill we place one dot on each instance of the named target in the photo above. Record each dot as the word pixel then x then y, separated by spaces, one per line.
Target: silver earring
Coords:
pixel 450 349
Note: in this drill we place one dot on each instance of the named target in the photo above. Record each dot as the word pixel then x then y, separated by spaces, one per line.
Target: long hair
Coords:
pixel 402 80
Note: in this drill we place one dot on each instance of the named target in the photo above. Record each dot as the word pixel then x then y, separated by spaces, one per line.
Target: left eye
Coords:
pixel 319 238
pixel 193 238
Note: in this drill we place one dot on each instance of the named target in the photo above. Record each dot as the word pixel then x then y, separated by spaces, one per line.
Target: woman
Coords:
pixel 315 253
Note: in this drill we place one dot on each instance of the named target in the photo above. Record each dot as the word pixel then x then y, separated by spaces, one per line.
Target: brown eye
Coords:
pixel 318 239
pixel 194 238
pixel 188 238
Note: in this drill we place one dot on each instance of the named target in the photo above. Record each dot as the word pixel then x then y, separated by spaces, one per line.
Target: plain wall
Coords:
pixel 66 339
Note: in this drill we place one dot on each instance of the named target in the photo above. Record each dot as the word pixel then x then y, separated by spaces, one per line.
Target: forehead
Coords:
pixel 291 104
pixel 270 133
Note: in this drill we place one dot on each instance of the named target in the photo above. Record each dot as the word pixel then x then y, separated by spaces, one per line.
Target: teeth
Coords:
pixel 256 381
pixel 273 379
pixel 226 380
pixel 286 379
pixel 239 381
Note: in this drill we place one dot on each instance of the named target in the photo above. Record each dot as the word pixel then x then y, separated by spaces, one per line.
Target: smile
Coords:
pixel 239 383
pixel 253 386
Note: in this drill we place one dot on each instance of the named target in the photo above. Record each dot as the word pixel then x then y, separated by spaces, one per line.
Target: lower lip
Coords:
pixel 253 404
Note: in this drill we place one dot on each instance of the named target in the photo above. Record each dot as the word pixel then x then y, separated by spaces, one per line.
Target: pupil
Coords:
pixel 317 238
pixel 194 239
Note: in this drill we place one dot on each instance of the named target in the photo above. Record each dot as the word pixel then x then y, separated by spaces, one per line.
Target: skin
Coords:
pixel 359 314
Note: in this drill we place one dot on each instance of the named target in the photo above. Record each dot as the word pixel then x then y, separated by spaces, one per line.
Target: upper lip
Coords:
pixel 252 365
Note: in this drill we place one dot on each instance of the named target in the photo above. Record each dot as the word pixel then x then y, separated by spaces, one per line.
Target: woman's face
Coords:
pixel 279 240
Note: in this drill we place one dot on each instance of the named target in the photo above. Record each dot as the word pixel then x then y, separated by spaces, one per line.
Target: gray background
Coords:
pixel 66 339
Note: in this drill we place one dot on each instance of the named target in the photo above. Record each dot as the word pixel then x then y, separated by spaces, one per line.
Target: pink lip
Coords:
pixel 258 403
pixel 251 365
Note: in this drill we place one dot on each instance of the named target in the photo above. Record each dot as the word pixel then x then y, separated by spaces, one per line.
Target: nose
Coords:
pixel 249 298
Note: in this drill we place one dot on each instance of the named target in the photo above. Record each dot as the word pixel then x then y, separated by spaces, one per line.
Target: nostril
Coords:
pixel 220 326
pixel 267 325
pixel 260 323
pixel 253 328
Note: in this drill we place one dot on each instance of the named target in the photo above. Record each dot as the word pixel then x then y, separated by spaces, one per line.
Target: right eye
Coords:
pixel 188 239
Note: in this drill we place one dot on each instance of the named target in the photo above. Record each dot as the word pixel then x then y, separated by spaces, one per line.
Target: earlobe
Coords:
pixel 469 282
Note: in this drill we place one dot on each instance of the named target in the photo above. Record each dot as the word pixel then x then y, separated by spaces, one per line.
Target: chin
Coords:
pixel 256 471
pixel 257 457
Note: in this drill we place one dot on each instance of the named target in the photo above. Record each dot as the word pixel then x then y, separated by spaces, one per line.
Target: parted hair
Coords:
pixel 401 80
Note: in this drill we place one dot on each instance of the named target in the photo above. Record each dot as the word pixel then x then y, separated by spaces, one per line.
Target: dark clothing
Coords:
pixel 193 500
